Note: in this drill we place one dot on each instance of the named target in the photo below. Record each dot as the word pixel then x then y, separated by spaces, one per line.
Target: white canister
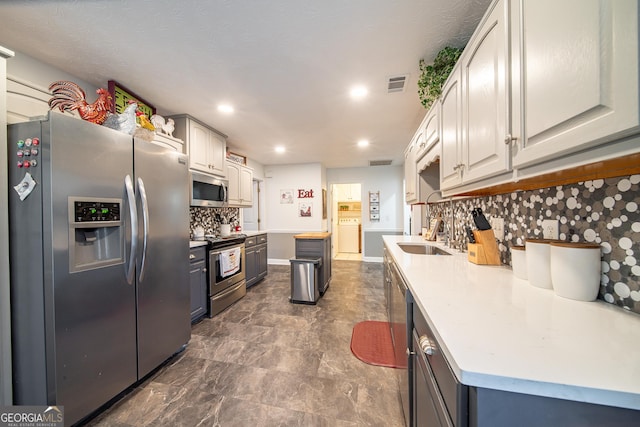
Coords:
pixel 519 261
pixel 538 263
pixel 575 270
pixel 225 230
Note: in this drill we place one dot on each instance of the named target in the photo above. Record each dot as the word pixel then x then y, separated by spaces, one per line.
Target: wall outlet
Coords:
pixel 497 225
pixel 550 229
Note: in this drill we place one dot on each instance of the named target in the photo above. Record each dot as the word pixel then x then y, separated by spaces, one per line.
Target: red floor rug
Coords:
pixel 371 343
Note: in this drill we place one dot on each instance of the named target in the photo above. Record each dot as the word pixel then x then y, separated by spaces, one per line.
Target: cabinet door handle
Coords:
pixel 427 346
pixel 192 256
pixel 509 139
pixel 204 270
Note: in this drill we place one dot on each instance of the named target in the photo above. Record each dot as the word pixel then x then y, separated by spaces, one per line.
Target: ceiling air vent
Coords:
pixel 397 83
pixel 380 162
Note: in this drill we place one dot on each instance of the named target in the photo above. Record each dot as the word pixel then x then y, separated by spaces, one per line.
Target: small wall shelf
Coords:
pixel 374 206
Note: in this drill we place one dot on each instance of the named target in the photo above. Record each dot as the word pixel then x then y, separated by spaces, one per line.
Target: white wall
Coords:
pixel 385 179
pixel 41 75
pixel 282 217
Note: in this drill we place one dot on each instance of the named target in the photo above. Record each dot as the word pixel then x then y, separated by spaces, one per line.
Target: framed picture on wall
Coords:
pixel 286 197
pixel 121 97
pixel 324 204
pixel 304 209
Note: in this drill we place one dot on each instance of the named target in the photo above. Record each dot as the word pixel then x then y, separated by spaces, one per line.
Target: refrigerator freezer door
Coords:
pixel 164 319
pixel 94 309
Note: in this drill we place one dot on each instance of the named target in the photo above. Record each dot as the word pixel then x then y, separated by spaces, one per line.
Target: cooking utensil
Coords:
pixel 480 220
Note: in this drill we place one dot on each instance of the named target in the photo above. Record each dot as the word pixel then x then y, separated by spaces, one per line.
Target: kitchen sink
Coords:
pixel 422 249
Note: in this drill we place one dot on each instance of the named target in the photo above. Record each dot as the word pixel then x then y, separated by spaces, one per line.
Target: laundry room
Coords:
pixel 349 210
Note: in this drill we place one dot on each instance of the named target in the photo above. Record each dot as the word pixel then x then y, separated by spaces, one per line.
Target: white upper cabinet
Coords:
pixel 451 131
pixel 410 172
pixel 430 129
pixel 575 75
pixel 206 147
pixel 240 185
pixel 485 98
pixel 348 192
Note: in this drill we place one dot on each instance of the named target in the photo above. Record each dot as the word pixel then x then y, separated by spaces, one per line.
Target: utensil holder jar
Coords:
pixel 575 270
pixel 519 262
pixel 539 262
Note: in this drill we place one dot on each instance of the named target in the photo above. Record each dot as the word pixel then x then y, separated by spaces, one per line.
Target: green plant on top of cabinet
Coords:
pixel 240 185
pixel 206 147
pixel 433 76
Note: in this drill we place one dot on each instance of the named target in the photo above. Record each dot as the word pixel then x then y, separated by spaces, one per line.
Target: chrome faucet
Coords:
pixel 426 202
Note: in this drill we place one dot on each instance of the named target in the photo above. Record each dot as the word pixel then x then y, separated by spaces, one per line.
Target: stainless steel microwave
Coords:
pixel 209 191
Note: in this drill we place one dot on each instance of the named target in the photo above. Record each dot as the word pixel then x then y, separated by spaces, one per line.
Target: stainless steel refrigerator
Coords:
pixel 99 252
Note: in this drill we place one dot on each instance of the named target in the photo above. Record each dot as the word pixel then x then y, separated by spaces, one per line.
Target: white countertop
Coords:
pixel 253 233
pixel 499 332
pixel 196 243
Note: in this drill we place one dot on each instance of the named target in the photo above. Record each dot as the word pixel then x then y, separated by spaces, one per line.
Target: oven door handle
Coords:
pixel 216 253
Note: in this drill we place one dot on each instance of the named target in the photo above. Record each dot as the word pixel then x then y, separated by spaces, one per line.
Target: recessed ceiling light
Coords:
pixel 363 143
pixel 225 108
pixel 359 92
pixel 280 149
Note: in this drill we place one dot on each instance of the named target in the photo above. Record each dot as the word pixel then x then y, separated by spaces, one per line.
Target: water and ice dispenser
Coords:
pixel 96 233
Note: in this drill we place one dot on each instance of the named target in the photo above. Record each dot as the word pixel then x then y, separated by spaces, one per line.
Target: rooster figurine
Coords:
pixel 161 126
pixel 68 96
pixel 124 122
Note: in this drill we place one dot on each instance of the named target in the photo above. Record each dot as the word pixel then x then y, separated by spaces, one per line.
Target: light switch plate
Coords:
pixel 550 229
pixel 497 224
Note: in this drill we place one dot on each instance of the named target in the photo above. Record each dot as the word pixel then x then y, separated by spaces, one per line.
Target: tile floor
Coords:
pixel 267 362
pixel 345 256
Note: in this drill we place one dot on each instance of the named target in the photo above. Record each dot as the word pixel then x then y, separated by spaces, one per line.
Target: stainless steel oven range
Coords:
pixel 227 282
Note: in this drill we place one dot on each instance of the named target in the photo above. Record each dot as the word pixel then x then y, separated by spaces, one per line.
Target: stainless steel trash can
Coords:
pixel 304 280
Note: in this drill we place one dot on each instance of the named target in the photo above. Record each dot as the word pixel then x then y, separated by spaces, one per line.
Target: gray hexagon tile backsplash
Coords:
pixel 603 211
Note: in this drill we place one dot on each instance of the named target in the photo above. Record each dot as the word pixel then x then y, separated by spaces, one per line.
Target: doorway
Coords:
pixel 347 221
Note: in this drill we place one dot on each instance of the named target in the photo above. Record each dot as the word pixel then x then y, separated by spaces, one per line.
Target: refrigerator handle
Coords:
pixel 133 215
pixel 145 225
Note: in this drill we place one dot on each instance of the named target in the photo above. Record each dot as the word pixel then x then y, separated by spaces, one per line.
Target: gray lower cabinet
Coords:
pixel 438 399
pixel 256 258
pixel 198 282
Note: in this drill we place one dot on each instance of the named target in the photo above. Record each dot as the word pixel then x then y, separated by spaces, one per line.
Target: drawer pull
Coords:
pixel 428 347
pixel 192 256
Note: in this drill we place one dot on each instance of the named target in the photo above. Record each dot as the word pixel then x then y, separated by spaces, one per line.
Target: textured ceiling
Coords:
pixel 285 65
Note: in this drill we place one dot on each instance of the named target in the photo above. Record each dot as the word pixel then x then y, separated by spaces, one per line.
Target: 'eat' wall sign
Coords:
pixel 305 194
